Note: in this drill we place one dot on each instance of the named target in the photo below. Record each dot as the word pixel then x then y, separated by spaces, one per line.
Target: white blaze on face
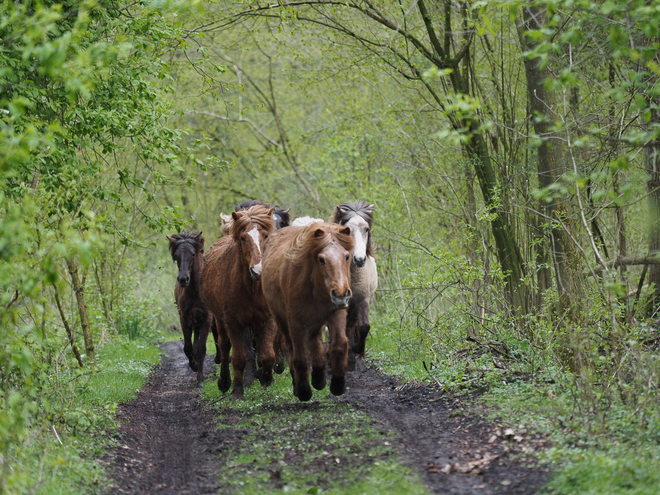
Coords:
pixel 254 233
pixel 358 226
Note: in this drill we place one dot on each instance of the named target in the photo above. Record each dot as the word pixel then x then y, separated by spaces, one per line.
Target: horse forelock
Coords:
pixel 255 214
pixel 195 239
pixel 307 243
pixel 345 211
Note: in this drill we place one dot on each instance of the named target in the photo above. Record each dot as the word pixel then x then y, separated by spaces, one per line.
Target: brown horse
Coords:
pixel 231 289
pixel 187 251
pixel 306 282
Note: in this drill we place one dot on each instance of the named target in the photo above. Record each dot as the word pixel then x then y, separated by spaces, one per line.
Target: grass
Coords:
pixel 61 455
pixel 323 446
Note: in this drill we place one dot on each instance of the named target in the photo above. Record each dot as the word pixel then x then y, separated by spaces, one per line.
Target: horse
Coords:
pixel 187 250
pixel 231 289
pixel 358 217
pixel 302 221
pixel 281 217
pixel 306 283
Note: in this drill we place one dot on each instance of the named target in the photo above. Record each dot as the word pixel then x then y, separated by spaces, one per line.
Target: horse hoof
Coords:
pixel 318 379
pixel 358 348
pixel 279 368
pixel 304 392
pixel 200 378
pixel 218 358
pixel 266 379
pixel 223 385
pixel 337 385
pixel 238 393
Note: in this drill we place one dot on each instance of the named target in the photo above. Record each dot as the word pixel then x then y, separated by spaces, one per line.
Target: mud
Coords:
pixel 169 441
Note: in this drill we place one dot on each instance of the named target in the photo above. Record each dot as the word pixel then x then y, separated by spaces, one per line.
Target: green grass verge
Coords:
pixel 60 457
pixel 323 446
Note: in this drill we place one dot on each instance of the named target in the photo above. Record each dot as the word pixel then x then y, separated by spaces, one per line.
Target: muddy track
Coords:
pixel 169 442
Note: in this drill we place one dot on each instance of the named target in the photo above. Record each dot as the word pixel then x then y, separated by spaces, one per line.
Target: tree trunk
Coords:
pixel 551 157
pixel 79 289
pixel 508 252
pixel 652 159
pixel 67 327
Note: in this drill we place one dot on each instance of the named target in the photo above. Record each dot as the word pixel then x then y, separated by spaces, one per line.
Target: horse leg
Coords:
pixel 364 327
pixel 214 332
pixel 224 381
pixel 265 336
pixel 279 353
pixel 186 328
pixel 201 336
pixel 301 388
pixel 338 351
pixel 238 359
pixel 317 354
pixel 351 322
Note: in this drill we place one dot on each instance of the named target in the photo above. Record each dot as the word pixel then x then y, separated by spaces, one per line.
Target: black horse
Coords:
pixel 187 250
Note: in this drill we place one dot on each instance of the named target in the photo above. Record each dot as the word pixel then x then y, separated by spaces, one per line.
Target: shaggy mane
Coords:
pixel 283 214
pixel 255 214
pixel 307 243
pixel 345 211
pixel 196 239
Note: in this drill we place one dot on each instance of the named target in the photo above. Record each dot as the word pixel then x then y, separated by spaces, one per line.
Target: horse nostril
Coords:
pixel 334 293
pixel 349 293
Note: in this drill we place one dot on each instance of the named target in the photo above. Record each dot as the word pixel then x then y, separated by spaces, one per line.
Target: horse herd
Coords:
pixel 271 287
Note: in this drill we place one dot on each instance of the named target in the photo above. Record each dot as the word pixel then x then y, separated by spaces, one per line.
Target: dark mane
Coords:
pixel 282 213
pixel 345 211
pixel 196 239
pixel 255 214
pixel 307 242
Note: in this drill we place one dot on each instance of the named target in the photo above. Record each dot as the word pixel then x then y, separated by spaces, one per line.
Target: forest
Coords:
pixel 510 150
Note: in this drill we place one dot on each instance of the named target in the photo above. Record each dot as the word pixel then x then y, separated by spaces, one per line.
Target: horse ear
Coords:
pixel 198 235
pixel 320 232
pixel 370 208
pixel 271 210
pixel 345 231
pixel 170 239
pixel 234 215
pixel 286 211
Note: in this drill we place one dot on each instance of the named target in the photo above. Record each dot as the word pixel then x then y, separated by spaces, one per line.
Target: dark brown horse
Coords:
pixel 306 282
pixel 231 289
pixel 187 251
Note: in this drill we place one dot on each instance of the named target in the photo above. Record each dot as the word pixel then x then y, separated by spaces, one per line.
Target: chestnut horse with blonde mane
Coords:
pixel 231 289
pixel 306 283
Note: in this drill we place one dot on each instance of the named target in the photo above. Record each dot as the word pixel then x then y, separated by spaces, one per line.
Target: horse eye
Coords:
pixel 242 239
pixel 346 257
pixel 368 229
pixel 322 261
pixel 266 236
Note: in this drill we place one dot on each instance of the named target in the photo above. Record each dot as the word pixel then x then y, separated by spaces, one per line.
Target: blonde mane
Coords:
pixel 256 214
pixel 307 242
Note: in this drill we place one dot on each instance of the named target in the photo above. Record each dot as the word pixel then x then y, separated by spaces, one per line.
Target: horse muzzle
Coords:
pixel 359 262
pixel 255 274
pixel 340 302
pixel 183 281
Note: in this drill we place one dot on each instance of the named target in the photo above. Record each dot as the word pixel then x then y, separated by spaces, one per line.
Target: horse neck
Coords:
pixel 240 271
pixel 196 273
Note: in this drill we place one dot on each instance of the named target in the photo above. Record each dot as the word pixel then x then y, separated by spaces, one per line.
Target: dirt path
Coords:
pixel 169 442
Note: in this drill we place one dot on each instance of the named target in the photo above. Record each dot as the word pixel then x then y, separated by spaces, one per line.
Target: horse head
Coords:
pixel 358 216
pixel 185 249
pixel 250 229
pixel 281 218
pixel 333 264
